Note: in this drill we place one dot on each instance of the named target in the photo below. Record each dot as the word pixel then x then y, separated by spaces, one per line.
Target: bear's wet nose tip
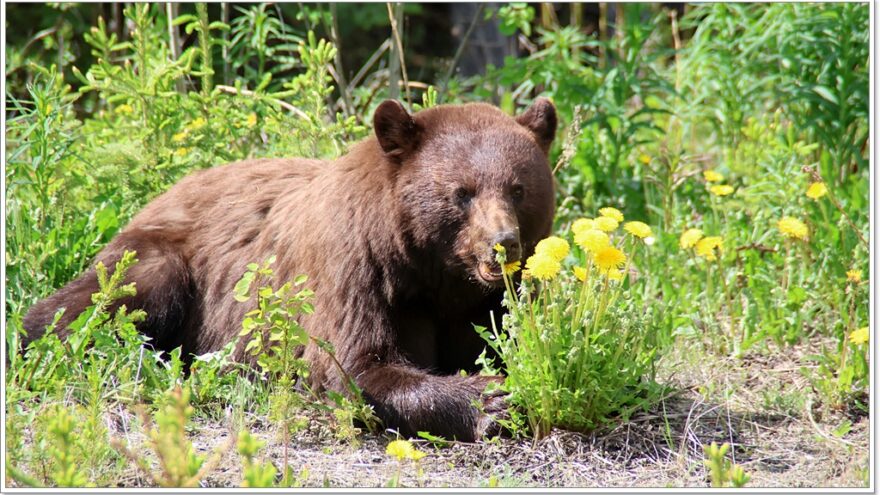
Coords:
pixel 510 241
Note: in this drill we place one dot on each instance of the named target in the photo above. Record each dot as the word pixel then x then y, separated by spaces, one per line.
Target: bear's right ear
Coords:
pixel 396 130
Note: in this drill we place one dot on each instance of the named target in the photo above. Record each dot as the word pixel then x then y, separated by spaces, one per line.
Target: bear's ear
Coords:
pixel 540 118
pixel 396 130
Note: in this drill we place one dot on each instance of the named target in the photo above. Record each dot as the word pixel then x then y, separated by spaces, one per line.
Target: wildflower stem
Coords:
pixel 579 310
pixel 785 266
pixel 729 305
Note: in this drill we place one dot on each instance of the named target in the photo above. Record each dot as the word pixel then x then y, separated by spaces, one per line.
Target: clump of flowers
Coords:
pixel 712 176
pixel 721 190
pixel 817 190
pixel 792 228
pixel 860 336
pixel 124 109
pixel 611 213
pixel 606 224
pixel 404 450
pixel 689 238
pixel 592 240
pixel 512 267
pixel 554 247
pixel 638 229
pixel 854 276
pixel 542 266
pixel 576 354
pixel 608 259
pixel 706 247
pixel 582 224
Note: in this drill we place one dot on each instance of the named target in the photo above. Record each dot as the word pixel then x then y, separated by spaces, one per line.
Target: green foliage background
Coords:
pixel 773 97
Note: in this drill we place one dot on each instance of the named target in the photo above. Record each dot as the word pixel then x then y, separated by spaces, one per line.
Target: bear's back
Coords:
pixel 212 203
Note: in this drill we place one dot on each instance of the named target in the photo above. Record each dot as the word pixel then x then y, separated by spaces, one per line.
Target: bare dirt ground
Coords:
pixel 761 405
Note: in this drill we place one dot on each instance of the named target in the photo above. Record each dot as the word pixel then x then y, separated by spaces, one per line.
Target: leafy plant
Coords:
pixel 256 474
pixel 515 16
pixel 66 472
pixel 179 465
pixel 258 35
pixel 721 471
pixel 99 345
pixel 276 339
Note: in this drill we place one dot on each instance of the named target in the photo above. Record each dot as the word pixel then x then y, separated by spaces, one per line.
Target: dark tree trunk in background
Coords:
pixel 119 21
pixel 486 44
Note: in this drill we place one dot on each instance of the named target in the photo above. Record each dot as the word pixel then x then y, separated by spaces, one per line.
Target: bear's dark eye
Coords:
pixel 517 192
pixel 462 196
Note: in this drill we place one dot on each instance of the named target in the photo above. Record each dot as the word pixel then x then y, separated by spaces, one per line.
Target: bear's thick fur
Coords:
pixel 396 237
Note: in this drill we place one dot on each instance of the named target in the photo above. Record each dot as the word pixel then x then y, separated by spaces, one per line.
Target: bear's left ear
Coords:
pixel 395 128
pixel 540 118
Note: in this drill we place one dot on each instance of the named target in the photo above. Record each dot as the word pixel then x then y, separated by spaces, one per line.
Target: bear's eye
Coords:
pixel 517 192
pixel 462 196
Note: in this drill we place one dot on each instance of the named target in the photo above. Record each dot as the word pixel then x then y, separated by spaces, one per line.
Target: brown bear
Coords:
pixel 396 237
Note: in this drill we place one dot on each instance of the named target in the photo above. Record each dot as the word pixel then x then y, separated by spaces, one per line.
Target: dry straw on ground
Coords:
pixel 759 404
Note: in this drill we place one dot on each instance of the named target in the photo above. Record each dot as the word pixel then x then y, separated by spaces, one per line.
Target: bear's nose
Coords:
pixel 510 241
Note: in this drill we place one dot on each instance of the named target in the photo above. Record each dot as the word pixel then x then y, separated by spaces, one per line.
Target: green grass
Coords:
pixel 772 99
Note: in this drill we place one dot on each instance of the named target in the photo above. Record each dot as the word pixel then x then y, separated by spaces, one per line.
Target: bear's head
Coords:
pixel 468 177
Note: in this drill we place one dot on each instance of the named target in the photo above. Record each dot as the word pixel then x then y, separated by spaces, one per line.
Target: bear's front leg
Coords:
pixel 411 400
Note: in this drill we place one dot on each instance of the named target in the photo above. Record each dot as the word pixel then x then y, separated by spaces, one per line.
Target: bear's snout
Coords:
pixel 509 240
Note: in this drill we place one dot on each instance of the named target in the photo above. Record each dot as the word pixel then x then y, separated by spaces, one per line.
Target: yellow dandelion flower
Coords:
pixel 197 124
pixel 508 268
pixel 792 227
pixel 854 276
pixel 181 152
pixel 179 137
pixel 609 258
pixel 555 247
pixel 611 213
pixel 638 229
pixel 606 224
pixel 582 224
pixel 580 273
pixel 542 266
pixel 251 120
pixel 817 190
pixel 859 336
pixel 712 176
pixel 417 454
pixel 644 158
pixel 401 449
pixel 721 190
pixel 689 238
pixel 616 275
pixel 706 247
pixel 512 267
pixel 124 109
pixel 592 240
